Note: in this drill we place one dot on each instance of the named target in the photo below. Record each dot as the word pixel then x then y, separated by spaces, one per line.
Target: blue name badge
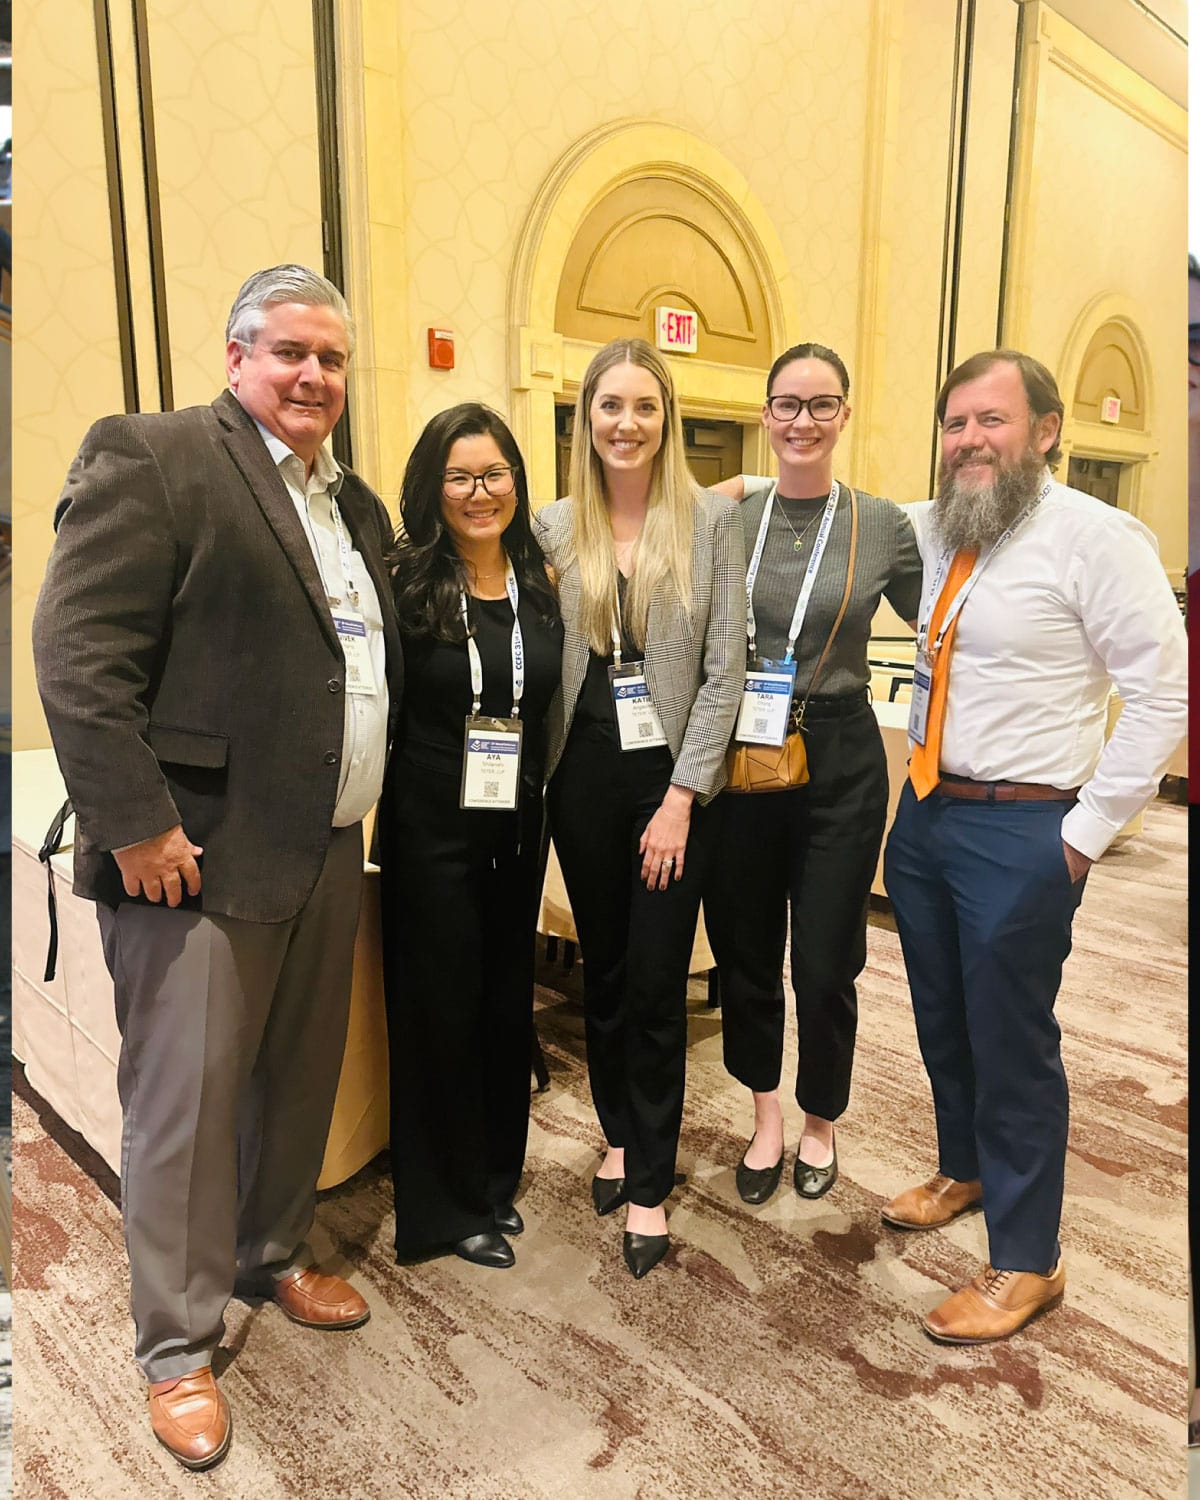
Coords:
pixel 491 778
pixel 918 705
pixel 638 724
pixel 766 703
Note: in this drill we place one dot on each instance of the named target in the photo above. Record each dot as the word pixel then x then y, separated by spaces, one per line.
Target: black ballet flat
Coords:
pixel 643 1252
pixel 488 1249
pixel 815 1182
pixel 508 1220
pixel 756 1184
pixel 608 1193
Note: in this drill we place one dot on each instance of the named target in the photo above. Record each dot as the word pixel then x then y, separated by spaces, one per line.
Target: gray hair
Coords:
pixel 282 284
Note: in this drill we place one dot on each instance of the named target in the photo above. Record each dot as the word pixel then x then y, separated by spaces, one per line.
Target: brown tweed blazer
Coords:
pixel 187 659
pixel 695 659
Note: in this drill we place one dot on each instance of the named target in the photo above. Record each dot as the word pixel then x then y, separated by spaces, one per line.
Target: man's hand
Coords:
pixel 1077 864
pixel 161 866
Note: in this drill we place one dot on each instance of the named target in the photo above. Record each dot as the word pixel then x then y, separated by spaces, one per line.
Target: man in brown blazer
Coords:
pixel 217 657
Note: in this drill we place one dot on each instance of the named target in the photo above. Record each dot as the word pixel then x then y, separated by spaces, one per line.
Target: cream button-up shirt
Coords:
pixel 364 740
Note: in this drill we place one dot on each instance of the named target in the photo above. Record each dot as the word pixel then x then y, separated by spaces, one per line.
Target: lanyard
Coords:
pixel 344 552
pixel 923 643
pixel 518 648
pixel 616 626
pixel 810 573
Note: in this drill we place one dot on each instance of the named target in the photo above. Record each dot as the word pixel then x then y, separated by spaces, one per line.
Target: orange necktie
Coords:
pixel 923 768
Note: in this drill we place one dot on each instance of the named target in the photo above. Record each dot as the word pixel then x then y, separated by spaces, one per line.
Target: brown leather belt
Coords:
pixel 1003 791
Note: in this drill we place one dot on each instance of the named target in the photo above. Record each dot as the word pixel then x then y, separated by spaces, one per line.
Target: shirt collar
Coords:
pixel 327 472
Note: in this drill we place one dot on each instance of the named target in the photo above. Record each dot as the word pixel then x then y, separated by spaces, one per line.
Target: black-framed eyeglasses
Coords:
pixel 457 484
pixel 820 408
pixel 1194 344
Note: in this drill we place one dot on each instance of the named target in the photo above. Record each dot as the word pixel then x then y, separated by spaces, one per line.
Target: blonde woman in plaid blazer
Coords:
pixel 641 553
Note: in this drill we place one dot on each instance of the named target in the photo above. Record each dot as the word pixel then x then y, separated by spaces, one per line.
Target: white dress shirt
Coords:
pixel 1074 603
pixel 364 739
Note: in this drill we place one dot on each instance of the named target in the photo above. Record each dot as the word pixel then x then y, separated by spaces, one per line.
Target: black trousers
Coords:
pixel 813 849
pixel 458 893
pixel 636 945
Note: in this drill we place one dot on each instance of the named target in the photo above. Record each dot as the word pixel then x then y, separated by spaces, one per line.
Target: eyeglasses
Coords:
pixel 1194 344
pixel 497 482
pixel 788 408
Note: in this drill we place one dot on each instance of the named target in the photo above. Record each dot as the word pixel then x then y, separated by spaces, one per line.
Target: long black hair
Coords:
pixel 429 576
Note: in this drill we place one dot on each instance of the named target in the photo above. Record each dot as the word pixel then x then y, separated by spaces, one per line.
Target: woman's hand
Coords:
pixel 665 840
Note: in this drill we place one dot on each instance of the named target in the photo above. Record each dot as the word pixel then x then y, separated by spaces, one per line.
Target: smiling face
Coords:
pixel 476 517
pixel 803 446
pixel 627 415
pixel 988 428
pixel 293 377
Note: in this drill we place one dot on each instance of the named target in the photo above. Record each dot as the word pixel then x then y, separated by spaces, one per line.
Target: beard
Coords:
pixel 970 515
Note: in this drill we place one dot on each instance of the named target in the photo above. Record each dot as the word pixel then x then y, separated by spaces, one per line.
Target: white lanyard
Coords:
pixel 810 573
pixel 956 604
pixel 518 648
pixel 344 552
pixel 616 627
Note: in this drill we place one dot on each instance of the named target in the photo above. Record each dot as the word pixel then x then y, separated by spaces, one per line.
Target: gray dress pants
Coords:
pixel 232 1036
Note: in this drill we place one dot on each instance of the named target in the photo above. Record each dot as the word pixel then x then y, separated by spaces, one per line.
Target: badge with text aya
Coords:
pixel 491 774
pixel 767 695
pixel 638 725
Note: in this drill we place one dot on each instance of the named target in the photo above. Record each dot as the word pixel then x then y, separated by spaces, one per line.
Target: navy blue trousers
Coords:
pixel 984 903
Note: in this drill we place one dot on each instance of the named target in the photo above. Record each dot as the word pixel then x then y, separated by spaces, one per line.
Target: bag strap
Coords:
pixel 845 599
pixel 51 845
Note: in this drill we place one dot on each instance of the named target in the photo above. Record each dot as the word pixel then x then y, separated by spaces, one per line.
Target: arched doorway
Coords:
pixel 636 218
pixel 1106 391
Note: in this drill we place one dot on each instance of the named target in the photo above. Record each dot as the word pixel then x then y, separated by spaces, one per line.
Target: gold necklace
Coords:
pixel 799 542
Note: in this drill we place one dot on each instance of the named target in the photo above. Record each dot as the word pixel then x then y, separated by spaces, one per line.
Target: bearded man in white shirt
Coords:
pixel 1039 601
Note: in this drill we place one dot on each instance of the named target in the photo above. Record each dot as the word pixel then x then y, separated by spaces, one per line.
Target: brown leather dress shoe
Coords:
pixel 320 1301
pixel 932 1204
pixel 190 1418
pixel 994 1305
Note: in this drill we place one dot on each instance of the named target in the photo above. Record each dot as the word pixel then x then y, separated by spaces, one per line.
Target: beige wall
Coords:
pixel 472 134
pixel 235 118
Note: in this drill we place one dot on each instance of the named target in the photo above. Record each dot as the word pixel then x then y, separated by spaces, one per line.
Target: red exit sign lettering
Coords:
pixel 678 330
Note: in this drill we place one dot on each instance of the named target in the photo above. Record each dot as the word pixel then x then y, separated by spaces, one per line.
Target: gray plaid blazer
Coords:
pixel 695 660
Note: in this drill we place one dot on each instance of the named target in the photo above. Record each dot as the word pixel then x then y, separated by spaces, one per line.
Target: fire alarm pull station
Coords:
pixel 441 349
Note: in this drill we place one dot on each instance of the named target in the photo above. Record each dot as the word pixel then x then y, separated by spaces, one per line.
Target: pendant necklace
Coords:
pixel 799 536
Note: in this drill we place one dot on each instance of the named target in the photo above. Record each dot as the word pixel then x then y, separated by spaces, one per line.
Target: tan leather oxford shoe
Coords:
pixel 994 1305
pixel 320 1301
pixel 190 1418
pixel 932 1204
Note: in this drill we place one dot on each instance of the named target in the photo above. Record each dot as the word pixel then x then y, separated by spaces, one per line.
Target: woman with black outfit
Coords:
pixel 651 578
pixel 459 883
pixel 811 849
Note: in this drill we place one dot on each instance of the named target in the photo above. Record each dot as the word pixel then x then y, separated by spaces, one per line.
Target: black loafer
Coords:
pixel 508 1220
pixel 608 1193
pixel 489 1249
pixel 643 1252
pixel 756 1184
pixel 815 1182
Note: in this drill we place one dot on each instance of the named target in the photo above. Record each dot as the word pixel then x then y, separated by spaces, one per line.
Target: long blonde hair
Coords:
pixel 664 549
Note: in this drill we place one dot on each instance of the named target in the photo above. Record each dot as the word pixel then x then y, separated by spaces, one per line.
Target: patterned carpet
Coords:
pixel 777 1353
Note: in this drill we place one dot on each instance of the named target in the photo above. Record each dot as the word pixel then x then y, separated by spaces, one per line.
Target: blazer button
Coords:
pixel 334 685
pixel 331 757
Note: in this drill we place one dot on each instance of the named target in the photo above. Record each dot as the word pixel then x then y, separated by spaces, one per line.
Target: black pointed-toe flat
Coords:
pixel 508 1220
pixel 608 1193
pixel 756 1184
pixel 643 1252
pixel 488 1249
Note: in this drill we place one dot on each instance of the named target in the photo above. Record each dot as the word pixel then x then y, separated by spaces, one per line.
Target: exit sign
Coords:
pixel 678 330
pixel 1110 409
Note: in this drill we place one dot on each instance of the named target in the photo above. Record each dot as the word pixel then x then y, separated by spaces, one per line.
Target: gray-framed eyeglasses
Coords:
pixel 496 481
pixel 1194 344
pixel 820 408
